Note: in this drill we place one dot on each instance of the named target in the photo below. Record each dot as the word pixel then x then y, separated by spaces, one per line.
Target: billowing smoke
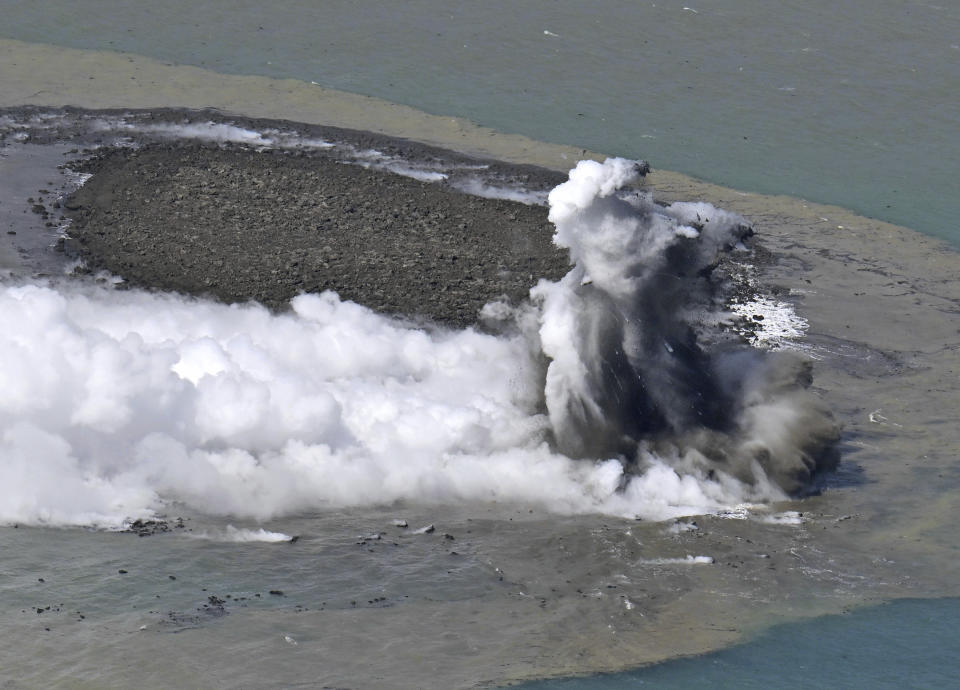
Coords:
pixel 119 404
pixel 627 375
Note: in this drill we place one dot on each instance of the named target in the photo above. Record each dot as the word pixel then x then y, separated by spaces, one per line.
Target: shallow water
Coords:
pixel 849 104
pixel 336 562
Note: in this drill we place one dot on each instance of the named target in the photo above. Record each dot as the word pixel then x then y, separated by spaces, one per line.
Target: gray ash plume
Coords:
pixel 627 374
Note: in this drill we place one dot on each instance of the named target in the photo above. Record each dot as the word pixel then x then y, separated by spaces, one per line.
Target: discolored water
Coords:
pixel 905 644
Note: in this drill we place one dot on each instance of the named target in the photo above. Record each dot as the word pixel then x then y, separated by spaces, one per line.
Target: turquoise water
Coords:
pixel 911 643
pixel 852 103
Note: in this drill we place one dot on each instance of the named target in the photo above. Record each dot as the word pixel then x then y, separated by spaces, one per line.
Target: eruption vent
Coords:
pixel 118 405
pixel 627 375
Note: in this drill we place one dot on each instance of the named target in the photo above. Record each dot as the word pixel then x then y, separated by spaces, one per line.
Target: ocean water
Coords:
pixel 845 103
pixel 152 406
pixel 910 643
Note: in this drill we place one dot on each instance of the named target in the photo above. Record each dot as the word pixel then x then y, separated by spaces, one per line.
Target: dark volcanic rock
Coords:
pixel 147 528
pixel 239 224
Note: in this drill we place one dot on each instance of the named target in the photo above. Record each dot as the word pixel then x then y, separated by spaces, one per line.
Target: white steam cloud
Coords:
pixel 242 536
pixel 627 374
pixel 219 132
pixel 117 404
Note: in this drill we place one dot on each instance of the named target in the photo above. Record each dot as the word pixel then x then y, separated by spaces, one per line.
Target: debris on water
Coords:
pixel 147 528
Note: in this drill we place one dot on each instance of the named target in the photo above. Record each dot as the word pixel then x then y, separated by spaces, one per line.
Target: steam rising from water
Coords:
pixel 627 374
pixel 118 403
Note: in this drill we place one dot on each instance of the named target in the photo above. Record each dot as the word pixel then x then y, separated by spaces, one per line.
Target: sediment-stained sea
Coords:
pixel 515 587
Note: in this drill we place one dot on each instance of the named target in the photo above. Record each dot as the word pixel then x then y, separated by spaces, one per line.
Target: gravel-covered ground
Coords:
pixel 240 224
